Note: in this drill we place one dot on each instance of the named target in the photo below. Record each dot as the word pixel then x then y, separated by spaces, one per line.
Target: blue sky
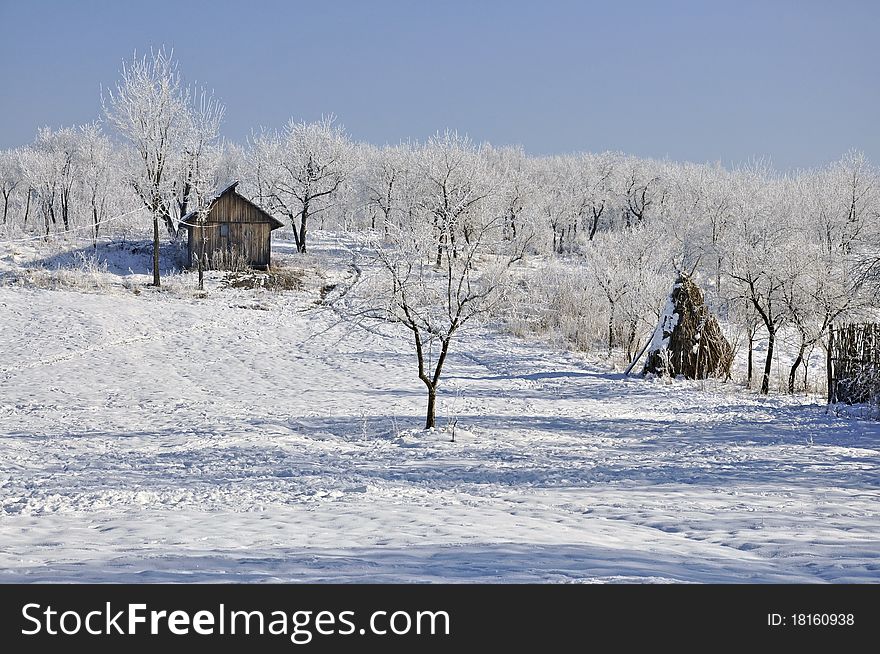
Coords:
pixel 798 82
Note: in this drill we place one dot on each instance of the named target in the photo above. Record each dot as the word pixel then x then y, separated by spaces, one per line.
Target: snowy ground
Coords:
pixel 249 436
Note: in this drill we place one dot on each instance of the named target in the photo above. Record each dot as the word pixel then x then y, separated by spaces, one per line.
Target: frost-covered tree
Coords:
pixel 551 177
pixel 631 270
pixel 755 266
pixel 848 206
pixel 147 109
pixel 50 165
pixel 822 282
pixel 446 261
pixel 642 189
pixel 593 189
pixel 11 177
pixel 455 179
pixel 852 200
pixel 516 191
pixel 304 166
pixel 387 178
pixel 166 124
pixel 199 150
pixel 99 161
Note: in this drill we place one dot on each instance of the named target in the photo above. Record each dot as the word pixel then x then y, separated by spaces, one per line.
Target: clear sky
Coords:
pixel 797 81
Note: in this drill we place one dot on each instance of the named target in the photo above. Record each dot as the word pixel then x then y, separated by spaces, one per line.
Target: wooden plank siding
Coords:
pixel 235 225
pixel 232 208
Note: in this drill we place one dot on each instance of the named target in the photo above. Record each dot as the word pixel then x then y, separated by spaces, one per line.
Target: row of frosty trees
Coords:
pixel 580 247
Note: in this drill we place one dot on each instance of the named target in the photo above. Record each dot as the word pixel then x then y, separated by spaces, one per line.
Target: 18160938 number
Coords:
pixel 811 620
pixel 822 619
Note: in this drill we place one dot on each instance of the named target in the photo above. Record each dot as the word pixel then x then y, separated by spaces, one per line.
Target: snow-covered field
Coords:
pixel 251 436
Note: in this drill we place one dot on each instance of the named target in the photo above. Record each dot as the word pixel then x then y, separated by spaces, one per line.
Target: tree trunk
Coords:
pixel 611 329
pixel 300 235
pixel 794 367
pixel 440 241
pixel 202 236
pixel 169 225
pixel 829 366
pixel 95 223
pixel 184 201
pixel 434 381
pixel 631 342
pixel 27 207
pixel 768 362
pixel 432 403
pixel 807 365
pixel 302 231
pixel 65 210
pixel 750 365
pixel 594 224
pixel 156 282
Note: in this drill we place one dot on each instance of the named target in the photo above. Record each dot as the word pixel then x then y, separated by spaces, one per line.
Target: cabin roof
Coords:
pixel 272 220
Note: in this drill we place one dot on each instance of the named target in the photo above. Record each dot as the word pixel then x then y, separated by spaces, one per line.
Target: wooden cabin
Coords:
pixel 234 227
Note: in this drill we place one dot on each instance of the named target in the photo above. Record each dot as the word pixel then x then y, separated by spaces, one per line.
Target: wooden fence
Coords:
pixel 854 355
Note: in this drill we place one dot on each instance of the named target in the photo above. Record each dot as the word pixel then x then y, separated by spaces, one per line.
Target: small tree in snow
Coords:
pixel 446 261
pixel 147 108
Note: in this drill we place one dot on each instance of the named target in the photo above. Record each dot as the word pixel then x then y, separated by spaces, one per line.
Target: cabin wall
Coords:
pixel 232 208
pixel 234 224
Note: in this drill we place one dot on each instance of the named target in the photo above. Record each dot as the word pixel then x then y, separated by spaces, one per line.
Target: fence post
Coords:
pixel 829 366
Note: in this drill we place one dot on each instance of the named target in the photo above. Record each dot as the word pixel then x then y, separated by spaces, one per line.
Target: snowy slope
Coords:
pixel 252 436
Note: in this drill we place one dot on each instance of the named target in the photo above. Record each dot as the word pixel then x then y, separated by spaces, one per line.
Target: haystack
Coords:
pixel 688 340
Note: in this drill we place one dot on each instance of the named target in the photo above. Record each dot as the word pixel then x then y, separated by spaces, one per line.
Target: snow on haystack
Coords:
pixel 688 340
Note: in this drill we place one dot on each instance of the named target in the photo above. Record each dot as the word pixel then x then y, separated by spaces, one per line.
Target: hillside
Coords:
pixel 253 435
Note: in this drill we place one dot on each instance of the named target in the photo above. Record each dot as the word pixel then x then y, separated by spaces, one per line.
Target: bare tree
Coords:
pixel 168 126
pixel 199 133
pixel 147 108
pixel 307 165
pixel 641 188
pixel 435 300
pixel 551 179
pixel 592 190
pixel 755 265
pixel 456 179
pixel 11 177
pixel 98 161
pixel 387 181
pixel 53 163
pixel 822 282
